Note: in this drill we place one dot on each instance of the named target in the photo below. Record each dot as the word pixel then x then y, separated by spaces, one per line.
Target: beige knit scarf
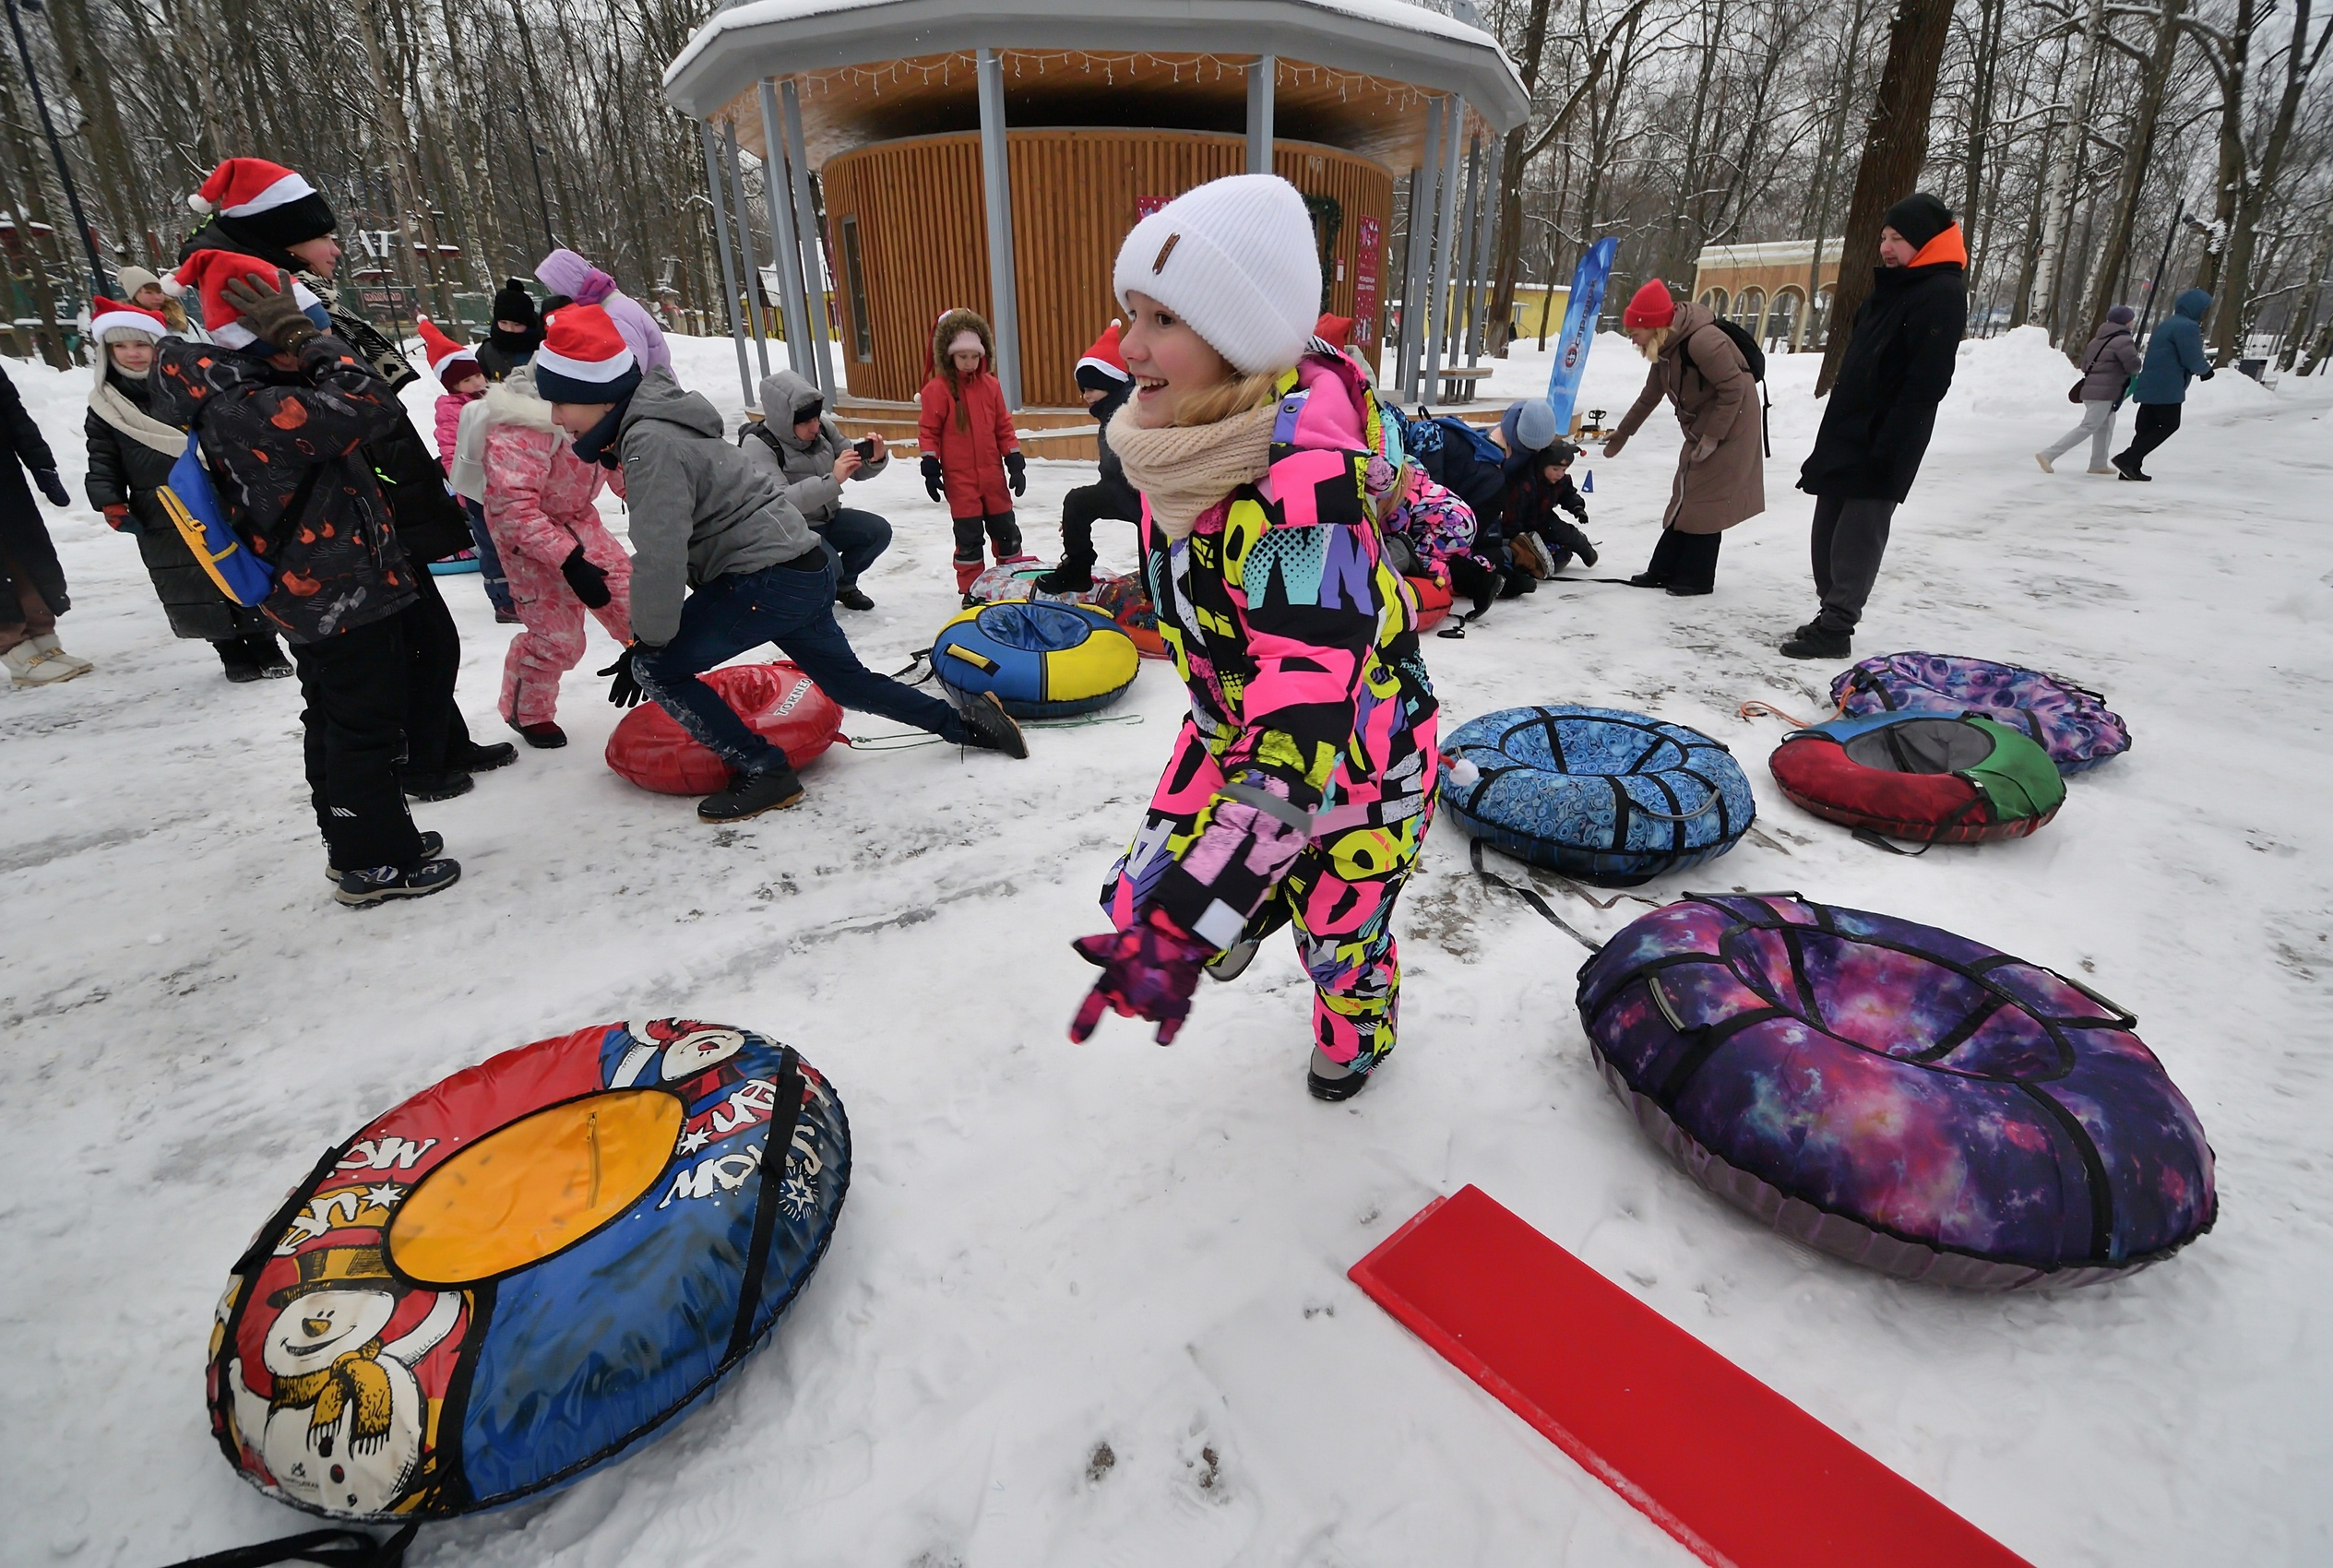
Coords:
pixel 1183 469
pixel 107 401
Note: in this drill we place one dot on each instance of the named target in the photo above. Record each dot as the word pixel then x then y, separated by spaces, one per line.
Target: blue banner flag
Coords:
pixel 1579 328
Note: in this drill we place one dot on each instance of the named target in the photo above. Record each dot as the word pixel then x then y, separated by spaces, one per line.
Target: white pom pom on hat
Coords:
pixel 171 286
pixel 1236 259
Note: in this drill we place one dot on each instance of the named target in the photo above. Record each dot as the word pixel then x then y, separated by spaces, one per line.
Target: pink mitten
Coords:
pixel 1148 972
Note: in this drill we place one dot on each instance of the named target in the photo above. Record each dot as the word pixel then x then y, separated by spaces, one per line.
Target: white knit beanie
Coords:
pixel 1235 258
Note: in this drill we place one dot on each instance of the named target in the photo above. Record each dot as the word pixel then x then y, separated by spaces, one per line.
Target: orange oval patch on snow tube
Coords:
pixel 776 701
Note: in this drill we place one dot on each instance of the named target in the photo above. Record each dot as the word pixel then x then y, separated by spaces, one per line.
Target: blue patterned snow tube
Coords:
pixel 1599 793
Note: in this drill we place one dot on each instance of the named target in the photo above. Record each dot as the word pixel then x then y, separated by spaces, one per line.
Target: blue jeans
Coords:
pixel 794 610
pixel 489 570
pixel 857 537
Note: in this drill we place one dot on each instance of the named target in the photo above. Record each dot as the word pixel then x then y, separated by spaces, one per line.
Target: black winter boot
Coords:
pixel 991 727
pixel 545 736
pixel 1816 640
pixel 269 656
pixel 1568 537
pixel 1332 1081
pixel 433 845
pixel 750 794
pixel 377 885
pixel 235 660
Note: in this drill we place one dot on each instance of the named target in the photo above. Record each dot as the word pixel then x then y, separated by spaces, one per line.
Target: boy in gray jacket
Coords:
pixel 706 519
pixel 798 445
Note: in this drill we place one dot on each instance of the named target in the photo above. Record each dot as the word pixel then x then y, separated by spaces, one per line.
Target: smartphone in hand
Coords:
pixel 864 446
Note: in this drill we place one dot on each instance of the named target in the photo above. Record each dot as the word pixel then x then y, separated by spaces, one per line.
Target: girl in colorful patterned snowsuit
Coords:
pixel 560 558
pixel 1434 527
pixel 1301 786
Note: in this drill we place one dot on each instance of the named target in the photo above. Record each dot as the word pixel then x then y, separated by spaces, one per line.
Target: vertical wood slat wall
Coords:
pixel 923 240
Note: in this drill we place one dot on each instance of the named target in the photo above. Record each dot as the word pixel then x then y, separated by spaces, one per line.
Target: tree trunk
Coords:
pixel 2058 203
pixel 1506 251
pixel 2305 312
pixel 77 50
pixel 1832 146
pixel 2137 152
pixel 2234 310
pixel 1896 148
pixel 1986 67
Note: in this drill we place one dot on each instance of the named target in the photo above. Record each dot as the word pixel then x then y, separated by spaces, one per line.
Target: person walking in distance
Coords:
pixel 2175 354
pixel 2108 363
pixel 1721 476
pixel 517 332
pixel 1898 367
pixel 707 517
pixel 284 410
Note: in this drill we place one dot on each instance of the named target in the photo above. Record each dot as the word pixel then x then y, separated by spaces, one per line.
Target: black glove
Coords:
pixel 1016 472
pixel 591 584
pixel 625 691
pixel 53 487
pixel 933 487
pixel 274 314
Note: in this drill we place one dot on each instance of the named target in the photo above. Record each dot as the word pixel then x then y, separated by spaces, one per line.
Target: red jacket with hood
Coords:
pixel 965 424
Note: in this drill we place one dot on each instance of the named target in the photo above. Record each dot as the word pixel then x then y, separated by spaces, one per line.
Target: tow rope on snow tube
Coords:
pixel 1930 778
pixel 1896 1095
pixel 1041 659
pixel 1607 796
pixel 524 1270
pixel 1434 602
pixel 777 702
pixel 2072 723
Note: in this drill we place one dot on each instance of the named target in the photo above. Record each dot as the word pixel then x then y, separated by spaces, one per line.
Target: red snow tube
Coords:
pixel 1434 601
pixel 1931 777
pixel 777 702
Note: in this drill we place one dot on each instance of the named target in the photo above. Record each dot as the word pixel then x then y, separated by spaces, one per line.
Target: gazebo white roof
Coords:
pixel 741 45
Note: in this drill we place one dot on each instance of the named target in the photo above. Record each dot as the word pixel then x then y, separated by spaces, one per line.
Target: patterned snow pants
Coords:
pixel 552 643
pixel 1337 902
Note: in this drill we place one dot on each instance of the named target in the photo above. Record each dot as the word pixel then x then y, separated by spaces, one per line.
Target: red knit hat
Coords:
pixel 1104 365
pixel 208 272
pixel 1333 329
pixel 111 316
pixel 263 201
pixel 583 358
pixel 1649 307
pixel 453 362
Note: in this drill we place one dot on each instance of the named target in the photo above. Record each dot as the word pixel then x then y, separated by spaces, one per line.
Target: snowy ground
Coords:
pixel 1051 1248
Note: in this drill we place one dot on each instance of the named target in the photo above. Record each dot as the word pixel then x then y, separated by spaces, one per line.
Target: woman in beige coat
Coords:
pixel 1721 469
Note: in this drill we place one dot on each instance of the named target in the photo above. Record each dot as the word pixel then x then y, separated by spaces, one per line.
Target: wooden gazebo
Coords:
pixel 992 155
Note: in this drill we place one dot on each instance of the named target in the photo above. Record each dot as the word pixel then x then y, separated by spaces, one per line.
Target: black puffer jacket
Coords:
pixel 24 533
pixel 1896 369
pixel 125 471
pixel 286 451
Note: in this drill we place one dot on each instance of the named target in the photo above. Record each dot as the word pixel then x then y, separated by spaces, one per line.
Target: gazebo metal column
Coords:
pixel 776 191
pixel 1479 343
pixel 728 263
pixel 1439 255
pixel 746 243
pixel 1413 259
pixel 997 188
pixel 806 229
pixel 1461 306
pixel 1259 114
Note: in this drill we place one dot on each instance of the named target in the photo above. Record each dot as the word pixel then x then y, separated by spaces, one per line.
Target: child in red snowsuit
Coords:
pixel 970 455
pixel 561 558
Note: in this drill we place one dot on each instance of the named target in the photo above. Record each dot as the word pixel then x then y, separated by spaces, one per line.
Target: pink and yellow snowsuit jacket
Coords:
pixel 1309 700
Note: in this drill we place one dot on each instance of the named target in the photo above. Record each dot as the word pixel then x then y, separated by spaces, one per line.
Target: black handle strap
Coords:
pixel 1474 853
pixel 774 1152
pixel 334 1549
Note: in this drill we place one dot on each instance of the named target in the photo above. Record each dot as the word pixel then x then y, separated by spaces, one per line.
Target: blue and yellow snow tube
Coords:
pixel 1042 659
pixel 1597 793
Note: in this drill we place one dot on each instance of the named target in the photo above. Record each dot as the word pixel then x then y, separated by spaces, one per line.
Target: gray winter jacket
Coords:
pixel 700 508
pixel 805 467
pixel 2108 363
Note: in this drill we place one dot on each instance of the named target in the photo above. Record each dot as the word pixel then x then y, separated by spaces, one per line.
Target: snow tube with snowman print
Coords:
pixel 1043 659
pixel 1605 795
pixel 777 702
pixel 2072 723
pixel 1896 1095
pixel 524 1270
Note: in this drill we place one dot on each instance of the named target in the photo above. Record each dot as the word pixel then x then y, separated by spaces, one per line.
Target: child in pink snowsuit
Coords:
pixel 560 557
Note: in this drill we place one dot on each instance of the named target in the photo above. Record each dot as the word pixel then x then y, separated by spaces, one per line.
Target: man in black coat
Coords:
pixel 1898 367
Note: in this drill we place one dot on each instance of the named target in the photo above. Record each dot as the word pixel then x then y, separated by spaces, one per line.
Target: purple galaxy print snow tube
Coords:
pixel 1896 1095
pixel 2073 723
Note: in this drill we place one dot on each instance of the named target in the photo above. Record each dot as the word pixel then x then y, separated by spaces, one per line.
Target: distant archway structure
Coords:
pixel 1768 272
pixel 992 154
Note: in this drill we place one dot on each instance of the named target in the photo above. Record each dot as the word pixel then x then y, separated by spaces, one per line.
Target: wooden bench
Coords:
pixel 1462 380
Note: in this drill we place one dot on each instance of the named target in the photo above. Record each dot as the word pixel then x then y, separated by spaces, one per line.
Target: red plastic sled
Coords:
pixel 1741 1476
pixel 1434 601
pixel 776 701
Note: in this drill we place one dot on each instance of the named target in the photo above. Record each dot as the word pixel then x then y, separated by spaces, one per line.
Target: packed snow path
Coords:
pixel 1086 1305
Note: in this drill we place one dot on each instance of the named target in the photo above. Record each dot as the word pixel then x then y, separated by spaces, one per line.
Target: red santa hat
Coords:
pixel 208 272
pixel 1104 366
pixel 583 358
pixel 264 202
pixel 453 362
pixel 111 316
